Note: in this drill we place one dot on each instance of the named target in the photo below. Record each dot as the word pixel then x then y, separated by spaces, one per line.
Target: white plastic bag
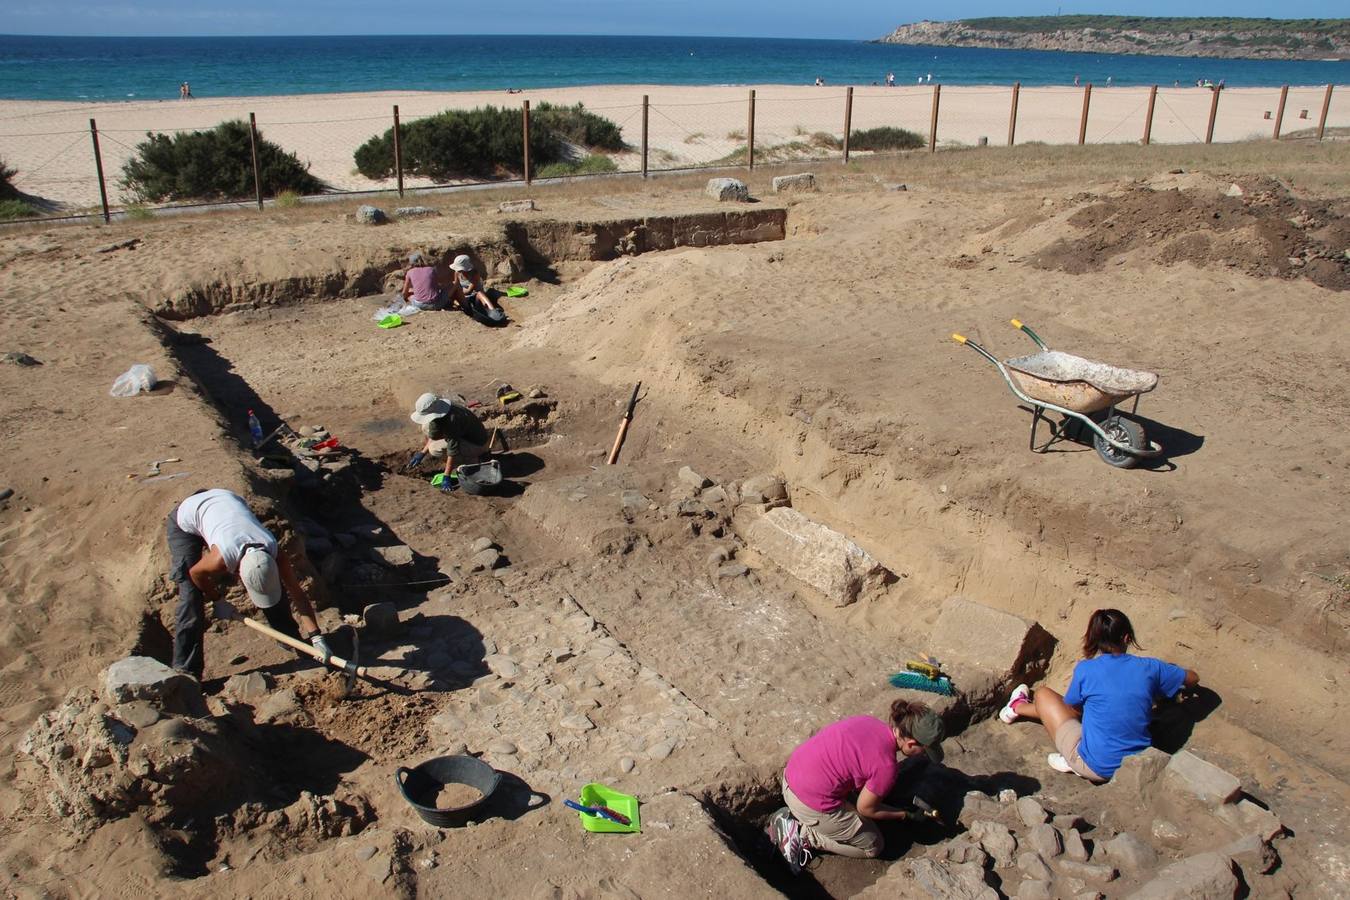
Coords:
pixel 397 308
pixel 139 377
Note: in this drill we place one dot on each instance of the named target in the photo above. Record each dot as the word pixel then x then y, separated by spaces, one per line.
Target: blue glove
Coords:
pixel 318 643
pixel 415 461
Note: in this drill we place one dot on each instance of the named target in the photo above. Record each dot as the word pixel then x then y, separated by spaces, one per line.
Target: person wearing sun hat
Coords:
pixel 473 297
pixel 835 784
pixel 214 535
pixel 451 428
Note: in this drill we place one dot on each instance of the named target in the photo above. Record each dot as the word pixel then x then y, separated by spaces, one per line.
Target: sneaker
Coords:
pixel 1020 694
pixel 786 834
pixel 1060 764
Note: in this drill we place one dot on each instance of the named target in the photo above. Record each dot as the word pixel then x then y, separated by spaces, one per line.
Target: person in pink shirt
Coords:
pixel 427 285
pixel 835 784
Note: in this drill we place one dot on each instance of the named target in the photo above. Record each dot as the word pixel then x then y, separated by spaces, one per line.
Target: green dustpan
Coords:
pixel 393 320
pixel 516 290
pixel 599 795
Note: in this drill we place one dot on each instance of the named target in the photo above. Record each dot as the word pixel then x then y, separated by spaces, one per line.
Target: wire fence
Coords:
pixel 66 169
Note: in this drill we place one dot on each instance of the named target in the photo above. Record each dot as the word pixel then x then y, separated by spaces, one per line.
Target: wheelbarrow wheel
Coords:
pixel 1123 431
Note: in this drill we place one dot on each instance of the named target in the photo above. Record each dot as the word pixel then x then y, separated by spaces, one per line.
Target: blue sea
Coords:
pixel 123 68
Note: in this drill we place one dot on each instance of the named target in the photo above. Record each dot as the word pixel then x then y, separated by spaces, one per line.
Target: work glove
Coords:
pixel 415 461
pixel 318 643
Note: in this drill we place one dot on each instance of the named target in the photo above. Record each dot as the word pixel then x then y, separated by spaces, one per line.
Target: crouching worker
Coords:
pixel 213 535
pixel 450 428
pixel 1105 715
pixel 836 783
pixel 472 296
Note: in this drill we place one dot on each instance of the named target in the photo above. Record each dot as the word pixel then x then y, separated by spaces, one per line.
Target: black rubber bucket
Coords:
pixel 420 784
pixel 481 478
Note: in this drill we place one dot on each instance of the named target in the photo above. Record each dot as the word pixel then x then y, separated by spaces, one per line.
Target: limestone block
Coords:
pixel 816 555
pixel 1203 780
pixel 144 678
pixel 988 651
pixel 370 215
pixel 516 206
pixel 786 184
pixel 1208 876
pixel 728 189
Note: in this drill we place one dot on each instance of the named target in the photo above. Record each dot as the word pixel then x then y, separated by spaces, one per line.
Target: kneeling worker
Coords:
pixel 213 534
pixel 835 783
pixel 464 436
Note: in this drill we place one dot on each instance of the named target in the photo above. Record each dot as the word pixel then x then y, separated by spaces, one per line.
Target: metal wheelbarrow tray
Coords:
pixel 1078 389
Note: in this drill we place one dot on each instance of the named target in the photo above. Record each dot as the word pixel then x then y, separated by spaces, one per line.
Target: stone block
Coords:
pixel 395 557
pixel 1045 840
pixel 764 489
pixel 144 678
pixel 996 840
pixel 1208 876
pixel 381 619
pixel 978 806
pixel 1034 865
pixel 1253 855
pixel 248 685
pixel 485 560
pixel 416 212
pixel 694 479
pixel 516 206
pixel 1138 775
pixel 951 882
pixel 369 215
pixel 1034 890
pixel 1245 817
pixel 1128 853
pixel 1074 848
pixel 1202 780
pixel 816 555
pixel 1096 872
pixel 583 512
pixel 728 189
pixel 788 184
pixel 1031 812
pixel 988 651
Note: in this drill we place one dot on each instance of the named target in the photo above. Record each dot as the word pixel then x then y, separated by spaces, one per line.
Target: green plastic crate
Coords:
pixel 599 795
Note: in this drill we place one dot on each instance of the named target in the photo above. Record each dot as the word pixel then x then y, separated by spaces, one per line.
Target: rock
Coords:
pixel 365 853
pixel 1203 780
pixel 1245 817
pixel 978 806
pixel 1234 190
pixel 577 723
pixel 394 557
pixel 381 619
pixel 693 479
pixel 1007 795
pixel 964 851
pixel 1031 812
pixel 516 206
pixel 483 543
pixel 1208 876
pixel 536 393
pixel 897 187
pixel 1254 855
pixel 1034 866
pixel 816 555
pixel 1085 870
pixel 728 189
pixel 1034 890
pixel 485 560
pixel 502 666
pixel 951 882
pixel 719 556
pixel 138 714
pixel 1138 775
pixel 627 764
pixel 661 750
pixel 248 686
pixel 988 651
pixel 1167 833
pixel 996 840
pixel 1067 821
pixel 20 358
pixel 733 570
pixel 715 494
pixel 415 212
pixel 502 747
pixel 1045 840
pixel 369 215
pixel 764 489
pixel 281 705
pixel 1074 848
pixel 1129 854
pixel 787 184
pixel 144 678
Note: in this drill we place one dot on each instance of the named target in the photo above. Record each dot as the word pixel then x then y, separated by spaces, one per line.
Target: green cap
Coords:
pixel 929 731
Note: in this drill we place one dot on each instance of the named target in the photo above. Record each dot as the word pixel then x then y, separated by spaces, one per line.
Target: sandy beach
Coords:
pixel 48 142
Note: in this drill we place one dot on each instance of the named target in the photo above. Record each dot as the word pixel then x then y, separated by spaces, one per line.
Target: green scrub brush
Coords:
pixel 917 682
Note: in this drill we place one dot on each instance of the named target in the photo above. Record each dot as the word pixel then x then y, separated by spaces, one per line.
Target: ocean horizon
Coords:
pixel 36 67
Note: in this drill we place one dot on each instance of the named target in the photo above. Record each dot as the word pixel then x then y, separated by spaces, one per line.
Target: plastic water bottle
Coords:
pixel 255 428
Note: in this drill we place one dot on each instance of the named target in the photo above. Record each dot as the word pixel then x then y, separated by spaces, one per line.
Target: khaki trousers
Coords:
pixel 840 831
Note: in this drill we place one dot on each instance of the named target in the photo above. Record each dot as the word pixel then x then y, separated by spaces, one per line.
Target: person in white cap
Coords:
pixel 472 296
pixel 451 427
pixel 213 534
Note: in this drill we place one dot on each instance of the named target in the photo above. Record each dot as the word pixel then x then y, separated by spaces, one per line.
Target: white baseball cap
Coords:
pixel 429 407
pixel 462 263
pixel 262 581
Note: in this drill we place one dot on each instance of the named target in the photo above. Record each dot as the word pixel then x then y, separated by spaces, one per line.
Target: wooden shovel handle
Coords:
pixel 336 662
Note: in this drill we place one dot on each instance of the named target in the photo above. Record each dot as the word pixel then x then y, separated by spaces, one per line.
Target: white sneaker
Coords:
pixel 1020 694
pixel 1060 764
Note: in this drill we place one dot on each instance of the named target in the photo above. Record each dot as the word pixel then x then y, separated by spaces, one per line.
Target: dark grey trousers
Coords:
pixel 190 616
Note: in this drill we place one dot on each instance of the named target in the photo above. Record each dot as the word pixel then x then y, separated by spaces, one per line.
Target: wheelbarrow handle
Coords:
pixel 1026 329
pixel 962 339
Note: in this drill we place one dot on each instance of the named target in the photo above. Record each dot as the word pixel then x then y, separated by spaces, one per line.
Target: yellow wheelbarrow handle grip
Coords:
pixel 1017 323
pixel 959 338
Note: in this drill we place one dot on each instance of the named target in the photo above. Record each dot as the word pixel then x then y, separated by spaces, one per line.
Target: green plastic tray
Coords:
pixel 599 795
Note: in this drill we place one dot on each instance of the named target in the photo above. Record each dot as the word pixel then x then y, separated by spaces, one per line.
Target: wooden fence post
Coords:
pixel 98 165
pixel 1082 122
pixel 1213 111
pixel 398 153
pixel 933 119
pixel 1279 111
pixel 644 135
pixel 525 136
pixel 750 135
pixel 848 120
pixel 253 146
pixel 1012 115
pixel 1326 106
pixel 1148 117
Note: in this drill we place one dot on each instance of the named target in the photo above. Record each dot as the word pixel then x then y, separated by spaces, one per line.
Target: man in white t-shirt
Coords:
pixel 212 535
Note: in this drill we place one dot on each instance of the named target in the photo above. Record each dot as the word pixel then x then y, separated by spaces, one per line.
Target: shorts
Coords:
pixel 1067 740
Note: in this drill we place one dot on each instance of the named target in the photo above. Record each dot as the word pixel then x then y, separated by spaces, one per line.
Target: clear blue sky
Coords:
pixel 779 18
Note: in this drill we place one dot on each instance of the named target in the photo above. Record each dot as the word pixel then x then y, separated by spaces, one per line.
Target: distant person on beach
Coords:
pixel 1075 81
pixel 1108 80
pixel 820 82
pixel 890 79
pixel 427 285
pixel 472 296
pixel 835 784
pixel 930 77
pixel 1105 715
pixel 187 91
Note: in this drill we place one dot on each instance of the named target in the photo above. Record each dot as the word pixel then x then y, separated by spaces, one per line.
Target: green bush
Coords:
pixel 7 189
pixel 485 142
pixel 16 209
pixel 138 212
pixel 594 164
pixel 885 138
pixel 210 165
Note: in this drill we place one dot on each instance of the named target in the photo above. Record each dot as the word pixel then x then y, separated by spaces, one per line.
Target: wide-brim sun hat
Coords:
pixel 429 407
pixel 258 571
pixel 462 263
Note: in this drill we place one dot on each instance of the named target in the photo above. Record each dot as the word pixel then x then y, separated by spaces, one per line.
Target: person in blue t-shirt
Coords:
pixel 1104 716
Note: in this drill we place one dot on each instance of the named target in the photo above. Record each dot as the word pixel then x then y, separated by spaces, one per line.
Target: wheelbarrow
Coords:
pixel 1084 392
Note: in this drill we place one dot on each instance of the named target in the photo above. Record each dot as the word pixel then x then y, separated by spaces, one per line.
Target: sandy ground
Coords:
pixel 48 142
pixel 1227 555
